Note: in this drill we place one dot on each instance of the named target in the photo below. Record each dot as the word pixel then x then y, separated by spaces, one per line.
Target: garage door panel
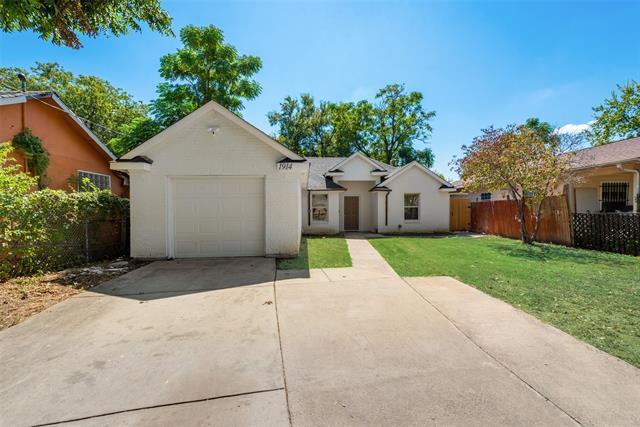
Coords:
pixel 218 216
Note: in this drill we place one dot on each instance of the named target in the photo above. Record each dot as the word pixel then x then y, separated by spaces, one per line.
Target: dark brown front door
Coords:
pixel 351 213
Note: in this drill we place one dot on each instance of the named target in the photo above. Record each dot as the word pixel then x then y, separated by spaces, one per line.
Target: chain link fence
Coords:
pixel 73 244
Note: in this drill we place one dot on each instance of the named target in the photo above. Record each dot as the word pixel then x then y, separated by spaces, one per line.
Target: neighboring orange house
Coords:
pixel 74 151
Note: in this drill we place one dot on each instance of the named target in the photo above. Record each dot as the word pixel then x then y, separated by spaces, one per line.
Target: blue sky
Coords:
pixel 477 63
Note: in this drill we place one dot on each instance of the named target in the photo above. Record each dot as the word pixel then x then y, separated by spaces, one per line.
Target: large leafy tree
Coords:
pixel 104 107
pixel 399 122
pixel 529 160
pixel 388 129
pixel 130 135
pixel 619 116
pixel 312 129
pixel 206 68
pixel 62 21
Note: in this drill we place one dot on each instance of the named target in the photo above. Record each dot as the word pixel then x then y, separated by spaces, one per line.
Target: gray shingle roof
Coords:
pixel 32 93
pixel 319 166
pixel 614 152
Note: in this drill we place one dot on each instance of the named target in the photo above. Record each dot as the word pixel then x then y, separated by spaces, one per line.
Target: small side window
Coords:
pixel 320 207
pixel 411 206
pixel 485 196
pixel 99 180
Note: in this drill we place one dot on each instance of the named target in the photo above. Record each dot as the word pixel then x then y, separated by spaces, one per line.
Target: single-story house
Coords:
pixel 213 185
pixel 605 178
pixel 74 151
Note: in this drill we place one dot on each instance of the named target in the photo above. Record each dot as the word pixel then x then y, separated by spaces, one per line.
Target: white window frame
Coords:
pixel 92 173
pixel 404 207
pixel 317 221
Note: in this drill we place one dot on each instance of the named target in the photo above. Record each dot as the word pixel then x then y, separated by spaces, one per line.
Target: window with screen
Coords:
pixel 614 196
pixel 320 207
pixel 411 206
pixel 100 181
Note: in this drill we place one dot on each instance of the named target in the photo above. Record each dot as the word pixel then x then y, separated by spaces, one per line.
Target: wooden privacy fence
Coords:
pixel 611 232
pixel 500 218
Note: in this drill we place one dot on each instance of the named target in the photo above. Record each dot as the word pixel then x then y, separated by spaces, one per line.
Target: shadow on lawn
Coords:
pixel 545 252
pixel 301 262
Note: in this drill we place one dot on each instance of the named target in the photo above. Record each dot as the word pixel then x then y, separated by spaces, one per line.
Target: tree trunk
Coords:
pixel 536 225
pixel 524 233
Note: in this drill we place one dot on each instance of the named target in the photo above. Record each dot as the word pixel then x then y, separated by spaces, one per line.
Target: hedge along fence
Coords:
pixel 51 229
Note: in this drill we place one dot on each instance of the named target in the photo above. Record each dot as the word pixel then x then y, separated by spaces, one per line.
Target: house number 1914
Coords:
pixel 284 166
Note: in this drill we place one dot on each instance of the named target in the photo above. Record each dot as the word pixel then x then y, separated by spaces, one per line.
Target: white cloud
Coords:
pixel 572 129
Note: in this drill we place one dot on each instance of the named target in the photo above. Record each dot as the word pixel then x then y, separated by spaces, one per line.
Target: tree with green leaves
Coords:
pixel 103 107
pixel 63 21
pixel 529 160
pixel 399 122
pixel 619 116
pixel 310 129
pixel 206 68
pixel 133 134
pixel 387 130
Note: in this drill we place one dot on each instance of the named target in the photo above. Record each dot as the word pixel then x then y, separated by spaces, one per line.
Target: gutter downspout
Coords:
pixel 23 108
pixel 386 208
pixel 636 185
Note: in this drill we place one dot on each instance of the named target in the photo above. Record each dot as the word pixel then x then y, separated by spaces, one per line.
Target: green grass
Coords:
pixel 594 296
pixel 319 252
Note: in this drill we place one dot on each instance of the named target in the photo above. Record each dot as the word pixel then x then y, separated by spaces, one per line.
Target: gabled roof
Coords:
pixel 377 166
pixel 234 118
pixel 444 185
pixel 19 97
pixel 319 167
pixel 607 154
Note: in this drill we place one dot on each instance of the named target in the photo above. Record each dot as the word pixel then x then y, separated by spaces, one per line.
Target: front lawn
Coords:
pixel 594 296
pixel 319 252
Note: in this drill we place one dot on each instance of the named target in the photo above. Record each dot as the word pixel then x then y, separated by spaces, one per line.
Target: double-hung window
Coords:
pixel 100 181
pixel 411 206
pixel 320 207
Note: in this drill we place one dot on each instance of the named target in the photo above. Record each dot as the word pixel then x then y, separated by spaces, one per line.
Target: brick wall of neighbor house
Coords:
pixel 69 150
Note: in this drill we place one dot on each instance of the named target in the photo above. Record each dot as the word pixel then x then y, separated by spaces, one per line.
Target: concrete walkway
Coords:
pixel 375 348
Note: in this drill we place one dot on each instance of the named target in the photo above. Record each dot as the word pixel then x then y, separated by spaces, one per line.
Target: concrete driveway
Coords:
pixel 225 342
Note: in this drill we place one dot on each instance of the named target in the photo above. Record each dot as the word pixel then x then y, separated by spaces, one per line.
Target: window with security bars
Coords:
pixel 99 180
pixel 614 196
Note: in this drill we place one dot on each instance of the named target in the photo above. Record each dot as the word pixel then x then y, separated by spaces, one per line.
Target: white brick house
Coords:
pixel 212 185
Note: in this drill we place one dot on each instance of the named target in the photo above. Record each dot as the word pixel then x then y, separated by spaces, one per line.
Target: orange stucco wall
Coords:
pixel 69 148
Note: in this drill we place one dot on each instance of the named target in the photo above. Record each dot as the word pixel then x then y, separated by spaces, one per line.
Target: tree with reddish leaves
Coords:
pixel 531 161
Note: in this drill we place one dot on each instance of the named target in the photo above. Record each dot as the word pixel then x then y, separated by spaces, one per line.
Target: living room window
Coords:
pixel 101 181
pixel 320 207
pixel 411 206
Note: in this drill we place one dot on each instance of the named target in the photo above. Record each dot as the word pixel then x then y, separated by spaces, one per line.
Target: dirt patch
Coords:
pixel 23 297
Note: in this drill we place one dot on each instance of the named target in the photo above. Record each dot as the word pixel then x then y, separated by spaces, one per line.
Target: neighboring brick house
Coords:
pixel 74 151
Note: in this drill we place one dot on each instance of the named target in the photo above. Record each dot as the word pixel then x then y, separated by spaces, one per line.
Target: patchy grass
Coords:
pixel 319 252
pixel 594 296
pixel 23 297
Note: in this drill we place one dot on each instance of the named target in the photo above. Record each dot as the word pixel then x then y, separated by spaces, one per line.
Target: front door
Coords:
pixel 351 213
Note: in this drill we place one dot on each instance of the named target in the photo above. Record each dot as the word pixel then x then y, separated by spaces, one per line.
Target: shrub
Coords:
pixel 37 156
pixel 39 229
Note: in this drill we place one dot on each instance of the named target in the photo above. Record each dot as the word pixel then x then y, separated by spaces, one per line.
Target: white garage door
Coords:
pixel 218 217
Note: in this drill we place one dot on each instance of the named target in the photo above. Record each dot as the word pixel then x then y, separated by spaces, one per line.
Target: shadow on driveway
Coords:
pixel 164 279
